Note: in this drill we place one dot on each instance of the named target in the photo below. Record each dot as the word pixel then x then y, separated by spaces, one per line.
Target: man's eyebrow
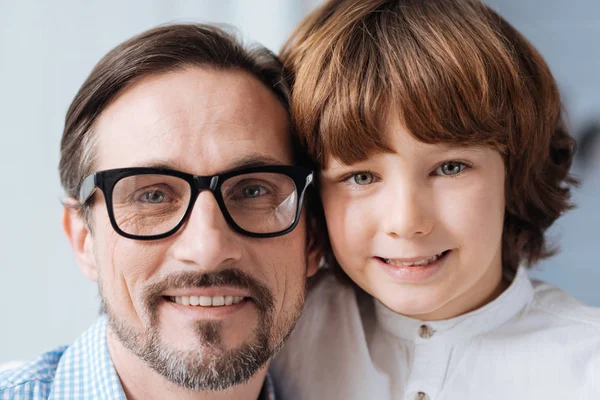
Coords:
pixel 156 164
pixel 256 160
pixel 249 161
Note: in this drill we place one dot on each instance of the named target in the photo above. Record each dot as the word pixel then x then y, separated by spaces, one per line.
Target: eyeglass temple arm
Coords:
pixel 309 180
pixel 87 189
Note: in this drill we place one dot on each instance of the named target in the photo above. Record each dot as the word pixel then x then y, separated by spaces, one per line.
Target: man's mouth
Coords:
pixel 218 294
pixel 417 263
pixel 206 301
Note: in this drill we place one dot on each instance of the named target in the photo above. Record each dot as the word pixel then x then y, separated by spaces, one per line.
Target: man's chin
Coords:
pixel 200 352
pixel 207 344
pixel 208 363
pixel 207 336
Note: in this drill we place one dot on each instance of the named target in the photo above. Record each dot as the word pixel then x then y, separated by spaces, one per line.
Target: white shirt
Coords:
pixel 532 342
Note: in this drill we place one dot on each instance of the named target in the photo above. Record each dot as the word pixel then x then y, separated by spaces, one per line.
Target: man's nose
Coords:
pixel 206 239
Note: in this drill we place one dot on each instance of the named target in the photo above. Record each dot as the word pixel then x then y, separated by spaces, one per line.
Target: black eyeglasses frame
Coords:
pixel 107 179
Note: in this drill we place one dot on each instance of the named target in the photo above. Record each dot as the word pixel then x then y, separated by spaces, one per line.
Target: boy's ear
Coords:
pixel 79 237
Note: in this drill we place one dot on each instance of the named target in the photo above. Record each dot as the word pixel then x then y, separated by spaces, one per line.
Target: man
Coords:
pixel 184 200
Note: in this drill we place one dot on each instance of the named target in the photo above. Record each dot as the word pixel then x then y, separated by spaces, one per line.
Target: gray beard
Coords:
pixel 210 367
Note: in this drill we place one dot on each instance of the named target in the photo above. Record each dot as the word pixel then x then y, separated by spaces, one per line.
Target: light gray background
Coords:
pixel 48 48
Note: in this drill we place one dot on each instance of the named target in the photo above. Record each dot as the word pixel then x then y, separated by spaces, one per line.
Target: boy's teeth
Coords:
pixel 205 301
pixel 419 263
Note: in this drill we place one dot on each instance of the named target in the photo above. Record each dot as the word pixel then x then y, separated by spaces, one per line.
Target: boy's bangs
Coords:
pixel 444 83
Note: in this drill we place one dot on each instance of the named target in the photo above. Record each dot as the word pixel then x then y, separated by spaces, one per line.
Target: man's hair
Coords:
pixel 455 72
pixel 159 50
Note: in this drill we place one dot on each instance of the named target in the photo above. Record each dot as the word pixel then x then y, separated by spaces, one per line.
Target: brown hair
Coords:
pixel 455 72
pixel 159 50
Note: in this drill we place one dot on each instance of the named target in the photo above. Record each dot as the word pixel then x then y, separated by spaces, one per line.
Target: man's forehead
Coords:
pixel 211 94
pixel 193 116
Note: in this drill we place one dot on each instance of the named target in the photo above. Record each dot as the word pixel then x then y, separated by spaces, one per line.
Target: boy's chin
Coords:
pixel 422 306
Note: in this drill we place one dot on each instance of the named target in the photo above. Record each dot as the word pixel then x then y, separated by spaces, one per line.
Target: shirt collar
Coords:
pixel 487 318
pixel 86 370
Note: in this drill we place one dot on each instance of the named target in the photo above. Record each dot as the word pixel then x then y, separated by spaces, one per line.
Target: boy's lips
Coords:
pixel 414 261
pixel 418 271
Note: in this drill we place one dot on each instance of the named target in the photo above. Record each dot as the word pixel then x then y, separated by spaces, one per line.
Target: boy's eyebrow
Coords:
pixel 444 147
pixel 334 165
pixel 427 149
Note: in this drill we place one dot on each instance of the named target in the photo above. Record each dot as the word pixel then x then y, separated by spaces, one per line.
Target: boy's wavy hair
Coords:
pixel 455 72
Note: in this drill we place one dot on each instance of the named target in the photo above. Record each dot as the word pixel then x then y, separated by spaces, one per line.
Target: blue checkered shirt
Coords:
pixel 80 371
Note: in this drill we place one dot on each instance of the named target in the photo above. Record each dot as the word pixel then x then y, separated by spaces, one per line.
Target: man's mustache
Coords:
pixel 259 293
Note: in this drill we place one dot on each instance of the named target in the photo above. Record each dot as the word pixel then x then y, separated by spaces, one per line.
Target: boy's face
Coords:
pixel 420 228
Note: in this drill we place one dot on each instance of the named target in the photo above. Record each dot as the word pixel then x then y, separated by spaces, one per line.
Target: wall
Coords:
pixel 567 35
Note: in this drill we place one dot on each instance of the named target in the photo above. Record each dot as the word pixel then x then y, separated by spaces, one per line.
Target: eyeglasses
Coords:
pixel 153 203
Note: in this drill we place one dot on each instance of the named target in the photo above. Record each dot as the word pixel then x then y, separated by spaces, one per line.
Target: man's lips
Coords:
pixel 205 301
pixel 216 296
pixel 216 293
pixel 211 291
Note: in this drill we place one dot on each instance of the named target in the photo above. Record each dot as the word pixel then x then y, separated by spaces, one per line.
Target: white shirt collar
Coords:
pixel 487 318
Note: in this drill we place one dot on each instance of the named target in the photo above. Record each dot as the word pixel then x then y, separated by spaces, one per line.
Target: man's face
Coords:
pixel 202 122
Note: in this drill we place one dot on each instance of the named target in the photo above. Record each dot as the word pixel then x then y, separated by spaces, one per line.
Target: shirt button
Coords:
pixel 425 331
pixel 421 396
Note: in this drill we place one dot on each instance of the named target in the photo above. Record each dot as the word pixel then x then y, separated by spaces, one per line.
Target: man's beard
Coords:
pixel 210 367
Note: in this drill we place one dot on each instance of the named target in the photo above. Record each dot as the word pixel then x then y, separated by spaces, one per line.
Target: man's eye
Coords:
pixel 253 191
pixel 153 197
pixel 362 178
pixel 450 168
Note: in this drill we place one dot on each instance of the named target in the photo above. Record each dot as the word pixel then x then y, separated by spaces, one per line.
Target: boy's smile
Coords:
pixel 414 269
pixel 420 227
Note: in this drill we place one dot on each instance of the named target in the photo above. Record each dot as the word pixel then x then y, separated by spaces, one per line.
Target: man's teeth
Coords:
pixel 419 263
pixel 205 301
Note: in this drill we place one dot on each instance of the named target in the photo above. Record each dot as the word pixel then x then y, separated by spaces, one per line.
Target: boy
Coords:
pixel 443 160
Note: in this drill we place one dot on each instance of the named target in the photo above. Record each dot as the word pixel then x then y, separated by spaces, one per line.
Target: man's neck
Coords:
pixel 139 381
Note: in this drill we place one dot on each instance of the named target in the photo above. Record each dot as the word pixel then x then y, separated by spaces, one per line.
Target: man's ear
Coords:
pixel 80 239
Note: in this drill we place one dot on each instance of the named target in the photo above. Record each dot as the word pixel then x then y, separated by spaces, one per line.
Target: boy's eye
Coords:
pixel 449 168
pixel 362 178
